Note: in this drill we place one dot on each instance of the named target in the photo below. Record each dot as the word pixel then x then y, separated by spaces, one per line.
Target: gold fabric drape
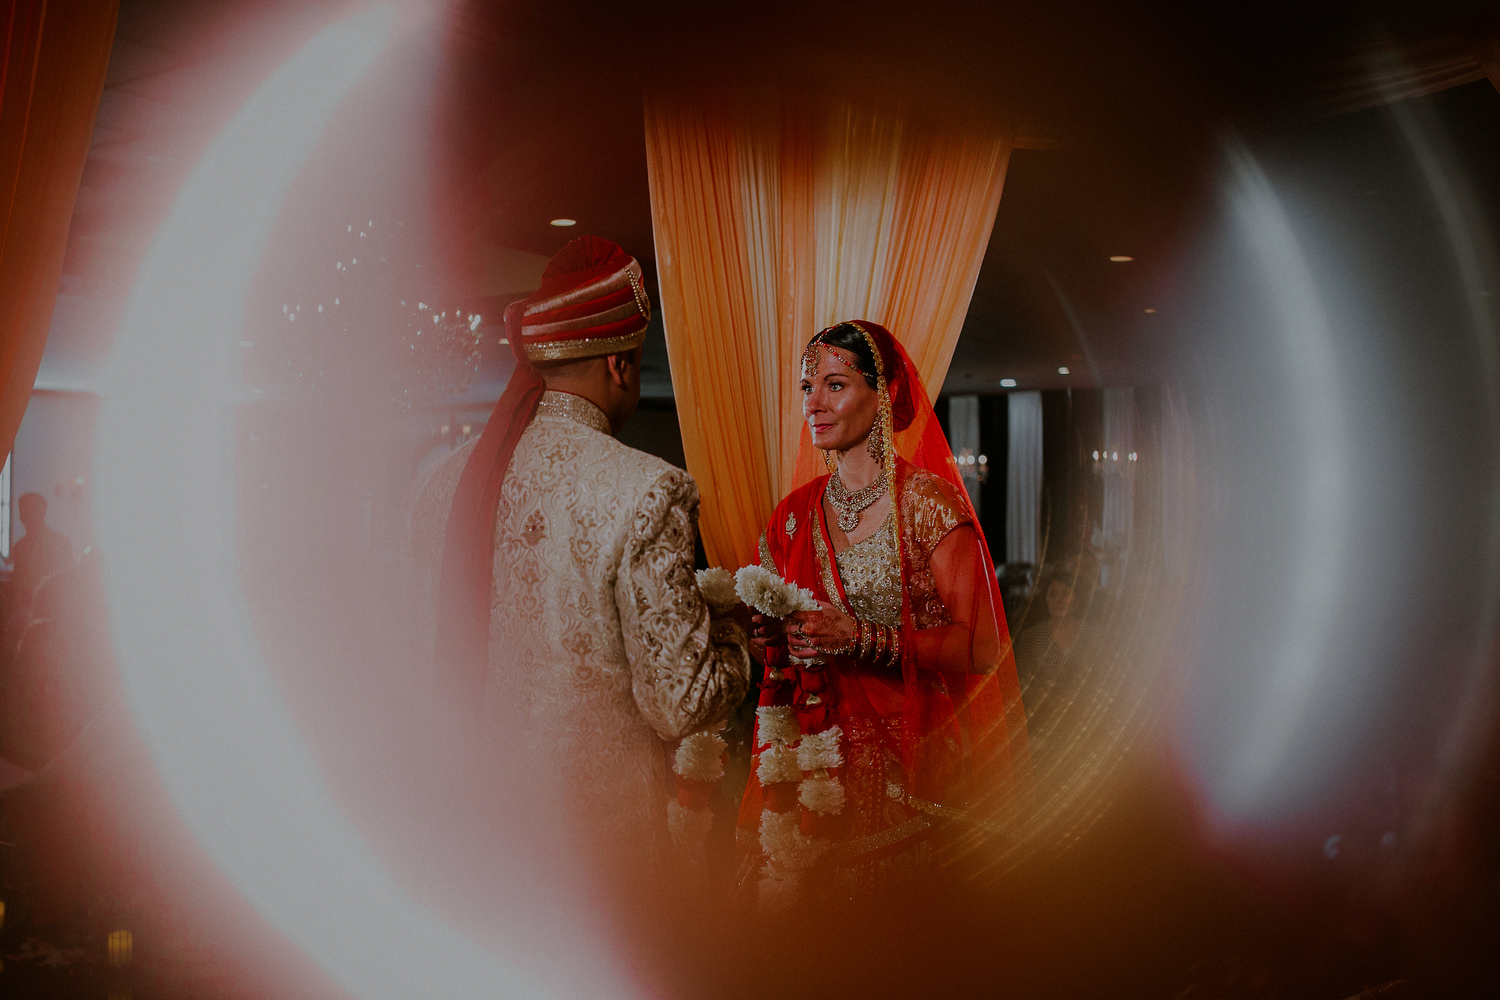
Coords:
pixel 55 55
pixel 778 217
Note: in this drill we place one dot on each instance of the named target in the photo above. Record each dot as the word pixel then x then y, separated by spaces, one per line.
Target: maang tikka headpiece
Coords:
pixel 810 356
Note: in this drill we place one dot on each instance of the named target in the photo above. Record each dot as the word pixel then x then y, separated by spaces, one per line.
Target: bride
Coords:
pixel 898 697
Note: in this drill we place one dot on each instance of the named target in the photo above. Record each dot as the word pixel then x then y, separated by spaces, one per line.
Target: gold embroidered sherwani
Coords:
pixel 600 644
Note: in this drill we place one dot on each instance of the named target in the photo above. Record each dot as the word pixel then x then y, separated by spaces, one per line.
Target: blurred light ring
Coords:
pixel 197 685
pixel 1476 258
pixel 1302 342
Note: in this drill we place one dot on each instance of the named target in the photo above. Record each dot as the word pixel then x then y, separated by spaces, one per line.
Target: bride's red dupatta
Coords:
pixel 962 735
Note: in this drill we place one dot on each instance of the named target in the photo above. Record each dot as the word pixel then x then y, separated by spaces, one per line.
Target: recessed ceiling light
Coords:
pixel 1150 311
pixel 1063 370
pixel 1007 383
pixel 565 222
pixel 1120 258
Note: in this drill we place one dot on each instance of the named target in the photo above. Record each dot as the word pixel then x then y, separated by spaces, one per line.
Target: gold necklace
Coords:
pixel 850 505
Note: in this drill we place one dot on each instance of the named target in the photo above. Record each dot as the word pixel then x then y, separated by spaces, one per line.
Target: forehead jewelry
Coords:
pixel 810 358
pixel 812 362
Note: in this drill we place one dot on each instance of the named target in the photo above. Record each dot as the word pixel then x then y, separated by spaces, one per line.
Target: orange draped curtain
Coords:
pixel 52 65
pixel 777 217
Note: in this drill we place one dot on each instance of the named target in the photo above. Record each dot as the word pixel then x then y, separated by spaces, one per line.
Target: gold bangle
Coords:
pixel 847 647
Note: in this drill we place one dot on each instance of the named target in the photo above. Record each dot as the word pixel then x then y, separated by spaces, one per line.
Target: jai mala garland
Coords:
pixel 798 758
pixel 699 760
pixel 699 764
pixel 798 755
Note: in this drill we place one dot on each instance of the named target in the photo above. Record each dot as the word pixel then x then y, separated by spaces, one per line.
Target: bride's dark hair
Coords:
pixel 846 337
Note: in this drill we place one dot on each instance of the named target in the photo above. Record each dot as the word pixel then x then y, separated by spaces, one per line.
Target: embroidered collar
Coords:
pixel 575 408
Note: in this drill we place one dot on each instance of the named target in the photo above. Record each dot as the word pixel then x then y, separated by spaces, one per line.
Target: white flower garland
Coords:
pixel 778 890
pixel 786 753
pixel 699 757
pixel 689 829
pixel 818 752
pixel 788 851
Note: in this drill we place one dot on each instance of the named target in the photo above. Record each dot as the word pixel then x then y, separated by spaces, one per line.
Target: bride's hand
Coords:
pixel 813 634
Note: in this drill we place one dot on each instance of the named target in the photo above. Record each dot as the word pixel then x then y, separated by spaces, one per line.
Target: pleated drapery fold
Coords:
pixel 775 217
pixel 55 55
pixel 1486 49
pixel 1385 69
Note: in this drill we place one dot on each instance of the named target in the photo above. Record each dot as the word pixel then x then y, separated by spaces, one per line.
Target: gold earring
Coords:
pixel 875 443
pixel 829 462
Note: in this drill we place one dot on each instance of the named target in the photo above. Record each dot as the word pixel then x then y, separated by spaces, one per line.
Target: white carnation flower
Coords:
pixel 770 594
pixel 787 848
pixel 778 723
pixel 822 795
pixel 778 763
pixel 820 750
pixel 778 891
pixel 717 587
pixel 699 757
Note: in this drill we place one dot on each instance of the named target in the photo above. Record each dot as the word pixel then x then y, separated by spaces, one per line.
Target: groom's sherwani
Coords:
pixel 599 640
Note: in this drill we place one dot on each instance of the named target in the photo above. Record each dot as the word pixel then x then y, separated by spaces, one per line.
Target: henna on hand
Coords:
pixel 825 632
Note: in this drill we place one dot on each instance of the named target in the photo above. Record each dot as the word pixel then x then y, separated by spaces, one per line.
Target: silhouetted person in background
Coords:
pixel 1049 660
pixel 40 552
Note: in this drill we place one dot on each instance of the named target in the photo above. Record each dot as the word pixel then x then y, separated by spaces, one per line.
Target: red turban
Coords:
pixel 592 302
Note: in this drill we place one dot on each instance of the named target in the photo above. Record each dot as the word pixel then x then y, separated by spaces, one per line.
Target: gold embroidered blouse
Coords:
pixel 871 571
pixel 872 576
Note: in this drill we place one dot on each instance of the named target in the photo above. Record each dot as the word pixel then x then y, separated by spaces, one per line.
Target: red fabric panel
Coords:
pixel 461 658
pixel 53 63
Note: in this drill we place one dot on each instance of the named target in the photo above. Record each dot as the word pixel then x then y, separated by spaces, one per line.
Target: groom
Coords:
pixel 568 611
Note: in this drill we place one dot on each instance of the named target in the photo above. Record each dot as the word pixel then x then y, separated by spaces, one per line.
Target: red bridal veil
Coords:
pixel 963 734
pixel 981 707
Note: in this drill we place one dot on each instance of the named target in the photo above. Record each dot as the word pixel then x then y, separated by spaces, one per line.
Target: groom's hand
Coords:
pixel 768 632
